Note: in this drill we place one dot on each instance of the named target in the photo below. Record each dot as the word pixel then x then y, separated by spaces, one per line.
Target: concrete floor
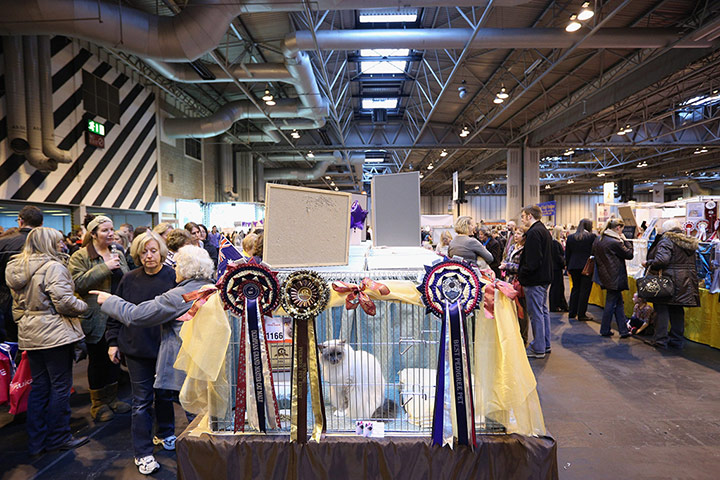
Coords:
pixel 618 409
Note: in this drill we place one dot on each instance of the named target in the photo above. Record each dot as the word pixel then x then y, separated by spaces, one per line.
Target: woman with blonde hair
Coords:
pixel 466 246
pixel 444 243
pixel 43 307
pixel 163 229
pixel 99 265
pixel 140 347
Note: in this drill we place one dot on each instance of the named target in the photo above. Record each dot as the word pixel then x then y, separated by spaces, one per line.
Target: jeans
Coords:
pixel 614 306
pixel 675 316
pixel 537 308
pixel 580 293
pixel 142 377
pixel 48 415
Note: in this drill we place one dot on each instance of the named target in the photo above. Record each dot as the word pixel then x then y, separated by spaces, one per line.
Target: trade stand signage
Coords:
pixel 548 208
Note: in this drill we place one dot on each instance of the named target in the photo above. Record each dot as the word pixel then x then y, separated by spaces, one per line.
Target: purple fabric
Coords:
pixel 357 215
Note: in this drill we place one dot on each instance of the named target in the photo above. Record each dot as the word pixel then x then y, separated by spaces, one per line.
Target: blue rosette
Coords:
pixel 451 290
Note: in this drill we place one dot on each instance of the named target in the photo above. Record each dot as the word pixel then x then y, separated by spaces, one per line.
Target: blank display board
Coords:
pixel 305 227
pixel 395 206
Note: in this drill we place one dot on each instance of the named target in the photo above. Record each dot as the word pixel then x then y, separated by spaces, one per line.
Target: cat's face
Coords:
pixel 333 351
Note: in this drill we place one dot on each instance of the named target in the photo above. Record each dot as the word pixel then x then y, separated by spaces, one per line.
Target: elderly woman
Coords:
pixel 99 265
pixel 140 346
pixel 465 246
pixel 674 254
pixel 611 250
pixel 193 269
pixel 43 307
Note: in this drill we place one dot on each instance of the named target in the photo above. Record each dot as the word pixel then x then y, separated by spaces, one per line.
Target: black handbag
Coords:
pixel 655 287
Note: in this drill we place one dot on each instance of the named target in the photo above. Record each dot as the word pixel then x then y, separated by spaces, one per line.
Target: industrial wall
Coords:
pixel 122 175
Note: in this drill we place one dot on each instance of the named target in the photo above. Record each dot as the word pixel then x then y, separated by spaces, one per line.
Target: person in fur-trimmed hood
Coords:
pixel 674 254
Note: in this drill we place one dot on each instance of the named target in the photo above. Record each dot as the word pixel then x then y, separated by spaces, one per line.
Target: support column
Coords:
pixel 523 180
pixel 531 176
pixel 514 191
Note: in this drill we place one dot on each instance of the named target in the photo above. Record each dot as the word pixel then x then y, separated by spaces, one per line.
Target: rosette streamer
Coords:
pixel 357 215
pixel 357 295
pixel 451 290
pixel 250 290
pixel 303 296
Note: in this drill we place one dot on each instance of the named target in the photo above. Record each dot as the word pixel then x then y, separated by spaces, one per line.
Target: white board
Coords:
pixel 395 204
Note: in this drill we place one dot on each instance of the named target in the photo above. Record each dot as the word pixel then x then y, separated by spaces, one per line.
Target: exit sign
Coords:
pixel 96 128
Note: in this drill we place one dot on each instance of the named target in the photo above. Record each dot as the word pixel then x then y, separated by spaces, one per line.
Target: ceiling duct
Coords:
pixel 273 174
pixel 15 95
pixel 47 121
pixel 34 155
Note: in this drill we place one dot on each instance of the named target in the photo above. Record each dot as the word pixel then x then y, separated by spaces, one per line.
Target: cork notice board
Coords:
pixel 306 227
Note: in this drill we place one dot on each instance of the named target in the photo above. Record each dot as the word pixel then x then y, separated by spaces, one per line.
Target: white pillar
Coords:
pixel 514 190
pixel 658 192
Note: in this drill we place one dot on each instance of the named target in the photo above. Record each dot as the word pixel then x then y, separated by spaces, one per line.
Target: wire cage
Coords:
pixel 380 367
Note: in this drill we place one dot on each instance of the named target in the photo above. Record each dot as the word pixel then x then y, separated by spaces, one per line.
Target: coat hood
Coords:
pixel 18 273
pixel 683 241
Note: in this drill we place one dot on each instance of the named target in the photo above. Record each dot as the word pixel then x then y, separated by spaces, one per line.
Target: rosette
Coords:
pixel 451 290
pixel 250 290
pixel 303 296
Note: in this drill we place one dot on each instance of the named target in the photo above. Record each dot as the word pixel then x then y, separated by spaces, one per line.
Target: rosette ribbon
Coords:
pixel 303 296
pixel 357 215
pixel 357 295
pixel 451 290
pixel 250 290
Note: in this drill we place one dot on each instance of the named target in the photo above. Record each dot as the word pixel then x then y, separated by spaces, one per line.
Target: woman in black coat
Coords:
pixel 557 302
pixel 578 249
pixel 674 254
pixel 610 251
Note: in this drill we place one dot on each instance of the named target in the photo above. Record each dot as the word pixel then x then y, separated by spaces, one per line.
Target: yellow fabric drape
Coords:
pixel 505 386
pixel 205 339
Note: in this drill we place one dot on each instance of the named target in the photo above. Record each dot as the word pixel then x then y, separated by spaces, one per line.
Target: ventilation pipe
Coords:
pixel 248 72
pixel 231 112
pixel 15 95
pixel 34 155
pixel 46 104
pixel 197 29
pixel 273 174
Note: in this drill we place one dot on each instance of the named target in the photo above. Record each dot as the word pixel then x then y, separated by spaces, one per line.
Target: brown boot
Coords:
pixel 99 410
pixel 116 405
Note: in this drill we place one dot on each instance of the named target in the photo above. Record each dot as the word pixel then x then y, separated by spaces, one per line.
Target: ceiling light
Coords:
pixel 547 187
pixel 684 185
pixel 373 103
pixel 462 91
pixel 477 187
pixel 421 175
pixel 601 174
pixel 443 153
pixel 336 189
pixel 498 100
pixel 327 177
pixel 569 152
pixel 502 94
pixel 491 182
pixel 628 129
pixel 268 96
pixel 430 167
pixel 295 134
pixel 465 132
pixel 332 184
pixel 621 131
pixel 586 13
pixel 310 154
pixel 642 164
pixel 699 150
pixel 574 25
pixel 570 180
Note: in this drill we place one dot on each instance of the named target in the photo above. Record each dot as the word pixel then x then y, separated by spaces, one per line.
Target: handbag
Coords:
pixel 20 386
pixel 589 267
pixel 655 287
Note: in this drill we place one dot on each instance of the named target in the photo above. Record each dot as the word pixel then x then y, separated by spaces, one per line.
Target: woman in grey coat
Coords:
pixel 193 270
pixel 45 307
pixel 674 254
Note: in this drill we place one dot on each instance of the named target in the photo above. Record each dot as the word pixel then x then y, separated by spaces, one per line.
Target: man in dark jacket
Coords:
pixel 674 254
pixel 535 275
pixel 610 251
pixel 28 218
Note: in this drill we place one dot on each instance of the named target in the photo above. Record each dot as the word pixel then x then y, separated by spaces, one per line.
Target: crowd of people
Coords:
pixel 535 258
pixel 111 296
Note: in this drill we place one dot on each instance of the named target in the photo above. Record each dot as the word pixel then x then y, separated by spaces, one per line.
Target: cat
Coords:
pixel 356 381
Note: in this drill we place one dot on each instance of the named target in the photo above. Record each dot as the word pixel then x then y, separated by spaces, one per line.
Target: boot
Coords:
pixel 99 410
pixel 116 405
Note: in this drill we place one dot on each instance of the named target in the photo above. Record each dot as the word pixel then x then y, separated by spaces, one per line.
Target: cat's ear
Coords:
pixel 322 347
pixel 341 342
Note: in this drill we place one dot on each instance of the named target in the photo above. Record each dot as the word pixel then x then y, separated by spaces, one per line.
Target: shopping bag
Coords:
pixel 20 387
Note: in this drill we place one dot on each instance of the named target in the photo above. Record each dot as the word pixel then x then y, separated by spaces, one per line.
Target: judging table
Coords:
pixel 202 454
pixel 702 324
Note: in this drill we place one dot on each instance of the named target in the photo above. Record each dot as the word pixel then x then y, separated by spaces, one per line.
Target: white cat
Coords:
pixel 356 381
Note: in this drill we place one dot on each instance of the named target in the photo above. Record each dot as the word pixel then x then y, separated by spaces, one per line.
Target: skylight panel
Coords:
pixel 385 66
pixel 372 103
pixel 385 52
pixel 403 15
